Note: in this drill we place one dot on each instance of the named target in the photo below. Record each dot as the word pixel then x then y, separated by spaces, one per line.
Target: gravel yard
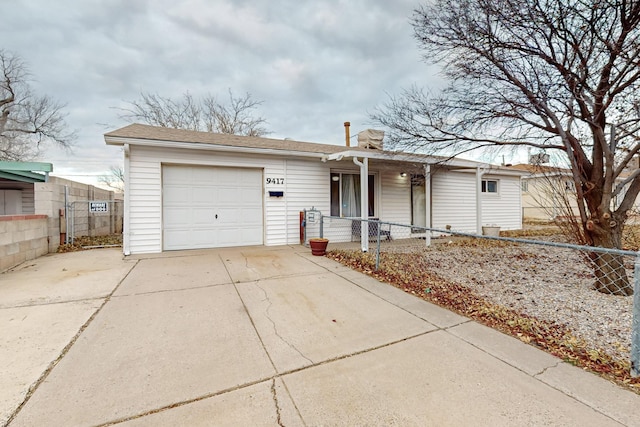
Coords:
pixel 551 284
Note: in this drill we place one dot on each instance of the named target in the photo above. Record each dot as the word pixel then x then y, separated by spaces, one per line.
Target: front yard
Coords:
pixel 542 295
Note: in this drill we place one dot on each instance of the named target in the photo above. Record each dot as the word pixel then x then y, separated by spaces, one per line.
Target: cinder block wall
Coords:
pixel 22 238
pixel 50 200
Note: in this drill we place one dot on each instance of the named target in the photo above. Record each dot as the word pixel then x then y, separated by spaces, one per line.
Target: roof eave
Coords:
pixel 115 140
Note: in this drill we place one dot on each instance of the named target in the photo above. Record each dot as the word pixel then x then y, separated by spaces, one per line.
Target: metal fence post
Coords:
pixel 635 324
pixel 378 247
pixel 73 221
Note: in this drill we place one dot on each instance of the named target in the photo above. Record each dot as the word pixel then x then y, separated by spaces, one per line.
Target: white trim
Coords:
pixel 398 157
pixel 427 194
pixel 126 232
pixel 487 192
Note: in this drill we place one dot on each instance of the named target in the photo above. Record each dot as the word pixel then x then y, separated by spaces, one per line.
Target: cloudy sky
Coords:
pixel 315 64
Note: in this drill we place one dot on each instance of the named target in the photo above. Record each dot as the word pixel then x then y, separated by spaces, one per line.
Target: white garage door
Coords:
pixel 211 207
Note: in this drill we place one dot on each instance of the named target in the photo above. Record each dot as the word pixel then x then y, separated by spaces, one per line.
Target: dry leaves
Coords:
pixel 410 272
pixel 83 242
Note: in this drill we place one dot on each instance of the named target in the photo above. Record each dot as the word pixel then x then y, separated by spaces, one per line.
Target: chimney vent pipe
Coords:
pixel 347 137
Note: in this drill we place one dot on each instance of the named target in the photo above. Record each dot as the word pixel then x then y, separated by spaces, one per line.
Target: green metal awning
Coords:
pixel 25 171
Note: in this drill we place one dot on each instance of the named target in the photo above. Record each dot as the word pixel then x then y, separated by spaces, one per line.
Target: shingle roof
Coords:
pixel 162 134
pixel 147 132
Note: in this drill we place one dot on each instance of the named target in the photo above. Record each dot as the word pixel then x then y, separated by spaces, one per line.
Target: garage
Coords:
pixel 211 207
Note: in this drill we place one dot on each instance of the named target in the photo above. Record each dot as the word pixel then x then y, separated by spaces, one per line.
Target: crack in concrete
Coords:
pixel 65 350
pixel 272 378
pixel 547 368
pixel 275 329
pixel 274 394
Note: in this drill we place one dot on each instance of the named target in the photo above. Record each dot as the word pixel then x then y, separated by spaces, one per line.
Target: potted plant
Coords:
pixel 318 246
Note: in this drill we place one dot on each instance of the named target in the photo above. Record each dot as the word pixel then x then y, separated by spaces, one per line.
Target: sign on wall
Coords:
pixel 98 207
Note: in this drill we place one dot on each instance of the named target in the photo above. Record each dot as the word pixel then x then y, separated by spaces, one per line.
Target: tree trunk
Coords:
pixel 611 275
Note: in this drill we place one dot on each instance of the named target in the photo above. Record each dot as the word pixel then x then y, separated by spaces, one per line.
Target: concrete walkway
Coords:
pixel 265 336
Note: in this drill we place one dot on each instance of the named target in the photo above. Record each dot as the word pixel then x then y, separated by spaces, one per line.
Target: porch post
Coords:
pixel 427 201
pixel 364 202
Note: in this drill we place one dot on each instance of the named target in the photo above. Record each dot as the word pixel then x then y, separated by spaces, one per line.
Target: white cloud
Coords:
pixel 315 64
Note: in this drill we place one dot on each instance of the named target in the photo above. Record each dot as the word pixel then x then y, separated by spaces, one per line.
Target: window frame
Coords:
pixel 484 188
pixel 373 178
pixel 569 186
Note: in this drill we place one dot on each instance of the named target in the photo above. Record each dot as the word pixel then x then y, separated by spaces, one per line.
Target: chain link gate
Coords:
pixel 93 218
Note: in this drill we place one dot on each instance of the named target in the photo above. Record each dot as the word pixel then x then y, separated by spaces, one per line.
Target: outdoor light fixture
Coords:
pixel 335 178
pixel 403 174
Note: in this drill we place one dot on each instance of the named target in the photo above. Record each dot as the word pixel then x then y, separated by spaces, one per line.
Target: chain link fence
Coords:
pixel 91 218
pixel 577 302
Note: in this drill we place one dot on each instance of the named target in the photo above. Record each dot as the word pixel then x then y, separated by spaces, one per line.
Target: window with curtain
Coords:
pixel 345 195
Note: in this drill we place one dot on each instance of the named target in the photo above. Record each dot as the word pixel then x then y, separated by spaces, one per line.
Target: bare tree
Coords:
pixel 114 180
pixel 26 120
pixel 210 115
pixel 551 74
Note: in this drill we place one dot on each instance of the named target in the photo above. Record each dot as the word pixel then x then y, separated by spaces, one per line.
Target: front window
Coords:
pixel 345 195
pixel 489 186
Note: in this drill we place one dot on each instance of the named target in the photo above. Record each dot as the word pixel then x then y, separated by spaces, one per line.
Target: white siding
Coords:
pixel 307 186
pixel 453 201
pixel 395 197
pixel 503 208
pixel 304 184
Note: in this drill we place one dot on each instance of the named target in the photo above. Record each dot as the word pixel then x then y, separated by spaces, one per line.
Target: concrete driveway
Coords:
pixel 265 336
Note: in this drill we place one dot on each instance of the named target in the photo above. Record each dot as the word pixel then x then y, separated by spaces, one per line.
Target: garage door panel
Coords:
pixel 248 195
pixel 176 194
pixel 203 195
pixel 203 217
pixel 180 239
pixel 203 238
pixel 249 178
pixel 230 217
pixel 176 217
pixel 193 196
pixel 250 235
pixel 229 195
pixel 252 216
pixel 202 174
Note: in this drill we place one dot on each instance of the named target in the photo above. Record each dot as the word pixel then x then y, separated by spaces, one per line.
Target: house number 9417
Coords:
pixel 277 181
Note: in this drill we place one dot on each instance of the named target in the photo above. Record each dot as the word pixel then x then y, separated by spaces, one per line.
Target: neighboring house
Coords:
pixel 35 209
pixel 549 193
pixel 188 190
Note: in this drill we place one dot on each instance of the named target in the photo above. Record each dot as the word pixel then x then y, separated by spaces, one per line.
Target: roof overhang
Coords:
pixel 461 165
pixel 112 140
pixel 25 171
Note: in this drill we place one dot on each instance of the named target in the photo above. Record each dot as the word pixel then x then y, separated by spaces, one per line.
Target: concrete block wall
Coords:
pixel 22 238
pixel 50 200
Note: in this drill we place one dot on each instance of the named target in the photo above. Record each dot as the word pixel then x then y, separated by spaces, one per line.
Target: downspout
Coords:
pixel 364 202
pixel 427 197
pixel 126 237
